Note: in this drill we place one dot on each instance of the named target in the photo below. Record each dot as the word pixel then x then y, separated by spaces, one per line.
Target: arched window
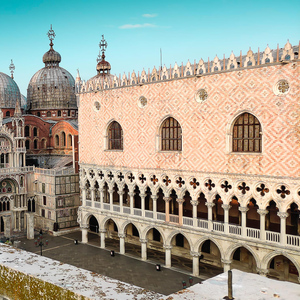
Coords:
pixel 38 114
pixel 63 139
pixel 35 144
pixel 44 143
pixel 26 130
pixel 27 144
pixel 246 134
pixel 59 113
pixel 57 140
pixel 7 114
pixel 69 140
pixel 34 131
pixel 48 114
pixel 115 136
pixel 171 138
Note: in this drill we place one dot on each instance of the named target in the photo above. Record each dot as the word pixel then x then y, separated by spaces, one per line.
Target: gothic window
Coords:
pixel 246 134
pixel 27 145
pixel 34 131
pixel 7 114
pixel 69 113
pixel 171 139
pixel 57 140
pixel 49 114
pixel 26 130
pixel 38 114
pixel 115 136
pixel 43 213
pixel 44 144
pixel 59 113
pixel 35 144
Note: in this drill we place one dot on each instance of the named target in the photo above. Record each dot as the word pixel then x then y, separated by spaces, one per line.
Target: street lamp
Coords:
pixel 40 243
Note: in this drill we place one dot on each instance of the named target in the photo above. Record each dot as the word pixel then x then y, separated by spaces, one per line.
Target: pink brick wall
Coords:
pixel 204 125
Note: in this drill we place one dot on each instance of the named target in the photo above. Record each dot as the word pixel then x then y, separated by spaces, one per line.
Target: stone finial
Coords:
pixel 287 53
pixel 267 56
pixel 201 67
pixel 249 61
pixel 232 63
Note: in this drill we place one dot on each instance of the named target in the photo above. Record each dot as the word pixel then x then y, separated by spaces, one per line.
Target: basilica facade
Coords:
pixel 198 161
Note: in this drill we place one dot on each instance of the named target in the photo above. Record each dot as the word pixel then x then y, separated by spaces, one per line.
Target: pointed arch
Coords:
pixel 126 223
pixel 105 220
pixel 148 228
pixel 200 242
pixel 114 136
pixel 174 233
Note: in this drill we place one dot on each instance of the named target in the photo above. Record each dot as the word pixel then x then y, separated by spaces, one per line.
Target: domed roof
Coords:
pixel 9 92
pixel 23 102
pixel 52 87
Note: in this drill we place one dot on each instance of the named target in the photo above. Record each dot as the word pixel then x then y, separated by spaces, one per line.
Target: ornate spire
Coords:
pixel 17 110
pixel 78 76
pixel 102 46
pixel 103 67
pixel 51 36
pixel 12 68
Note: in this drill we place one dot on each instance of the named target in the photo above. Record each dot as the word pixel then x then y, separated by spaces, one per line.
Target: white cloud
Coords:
pixel 133 26
pixel 149 15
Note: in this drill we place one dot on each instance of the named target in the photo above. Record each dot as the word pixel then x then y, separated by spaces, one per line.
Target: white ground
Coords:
pixel 246 286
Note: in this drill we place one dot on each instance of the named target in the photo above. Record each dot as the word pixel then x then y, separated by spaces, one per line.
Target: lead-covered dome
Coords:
pixel 9 92
pixel 51 87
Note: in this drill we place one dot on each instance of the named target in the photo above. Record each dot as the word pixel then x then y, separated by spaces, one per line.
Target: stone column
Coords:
pixel 19 225
pixel 282 216
pixel 7 227
pixel 180 211
pixel 244 210
pixel 226 265
pixel 262 213
pixel 101 190
pixel 195 203
pixel 168 256
pixel 122 243
pixel 131 195
pixel 111 194
pixel 83 195
pixel 226 208
pixel 121 193
pixel 30 226
pixel 195 256
pixel 84 234
pixel 167 208
pixel 144 248
pixel 143 196
pixel 210 205
pixel 102 238
pixel 154 200
pixel 93 196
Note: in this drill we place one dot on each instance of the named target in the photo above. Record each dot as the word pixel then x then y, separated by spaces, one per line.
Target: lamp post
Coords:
pixel 40 243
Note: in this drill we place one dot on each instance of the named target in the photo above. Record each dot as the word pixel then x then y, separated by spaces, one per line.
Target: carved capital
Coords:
pixel 180 201
pixel 195 254
pixel 154 197
pixel 110 190
pixel 243 209
pixel 226 261
pixel 131 194
pixel 84 226
pixel 282 215
pixel 120 193
pixel 167 199
pixel 102 230
pixel 143 241
pixel 262 212
pixel 121 235
pixel 262 272
pixel 226 206
pixel 167 247
pixel 142 195
pixel 210 204
pixel 194 202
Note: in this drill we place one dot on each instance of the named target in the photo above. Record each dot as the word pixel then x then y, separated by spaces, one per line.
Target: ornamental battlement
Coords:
pixel 283 55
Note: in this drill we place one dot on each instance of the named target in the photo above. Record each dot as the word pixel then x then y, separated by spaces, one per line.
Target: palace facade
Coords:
pixel 200 161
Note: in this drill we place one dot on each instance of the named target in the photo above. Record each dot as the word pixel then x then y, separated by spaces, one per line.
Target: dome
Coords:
pixel 9 92
pixel 51 57
pixel 23 102
pixel 51 88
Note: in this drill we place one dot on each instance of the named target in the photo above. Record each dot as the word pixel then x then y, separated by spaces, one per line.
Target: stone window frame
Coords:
pixel 107 146
pixel 159 136
pixel 229 134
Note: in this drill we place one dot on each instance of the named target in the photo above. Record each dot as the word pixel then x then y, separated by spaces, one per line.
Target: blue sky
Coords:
pixel 136 30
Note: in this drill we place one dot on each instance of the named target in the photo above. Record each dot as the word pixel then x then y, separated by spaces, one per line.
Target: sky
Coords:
pixel 136 31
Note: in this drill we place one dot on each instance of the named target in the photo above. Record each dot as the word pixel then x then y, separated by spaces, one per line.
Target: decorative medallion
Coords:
pixel 142 102
pixel 201 95
pixel 281 87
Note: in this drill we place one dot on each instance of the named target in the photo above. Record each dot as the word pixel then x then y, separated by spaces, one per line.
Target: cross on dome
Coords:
pixel 51 35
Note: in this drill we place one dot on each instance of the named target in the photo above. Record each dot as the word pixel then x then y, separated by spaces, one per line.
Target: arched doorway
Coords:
pixel 111 235
pixel 132 240
pixel 242 259
pixel 93 225
pixel 180 253
pixel 155 249
pixel 282 268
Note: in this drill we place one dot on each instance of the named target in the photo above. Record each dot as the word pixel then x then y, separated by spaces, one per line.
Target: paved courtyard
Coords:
pixel 128 268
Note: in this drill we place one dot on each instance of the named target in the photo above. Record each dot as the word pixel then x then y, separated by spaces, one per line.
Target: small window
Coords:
pixel 44 200
pixel 43 188
pixel 44 144
pixel 49 214
pixel 69 140
pixel 35 144
pixel 43 213
pixel 26 130
pixel 27 144
pixel 115 136
pixel 48 114
pixel 246 134
pixel 171 138
pixel 7 114
pixel 69 113
pixel 59 113
pixel 57 140
pixel 35 131
pixel 63 139
pixel 38 114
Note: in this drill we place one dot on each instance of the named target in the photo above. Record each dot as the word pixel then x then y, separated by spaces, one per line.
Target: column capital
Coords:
pixel 131 194
pixel 226 206
pixel 83 188
pixel 101 190
pixel 143 195
pixel 143 241
pixel 111 190
pixel 226 261
pixel 92 188
pixel 262 212
pixel 243 209
pixel 194 202
pixel 180 201
pixel 282 215
pixel 154 197
pixel 167 199
pixel 167 247
pixel 121 235
pixel 262 272
pixel 209 204
pixel 102 230
pixel 195 254
pixel 120 193
pixel 84 226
